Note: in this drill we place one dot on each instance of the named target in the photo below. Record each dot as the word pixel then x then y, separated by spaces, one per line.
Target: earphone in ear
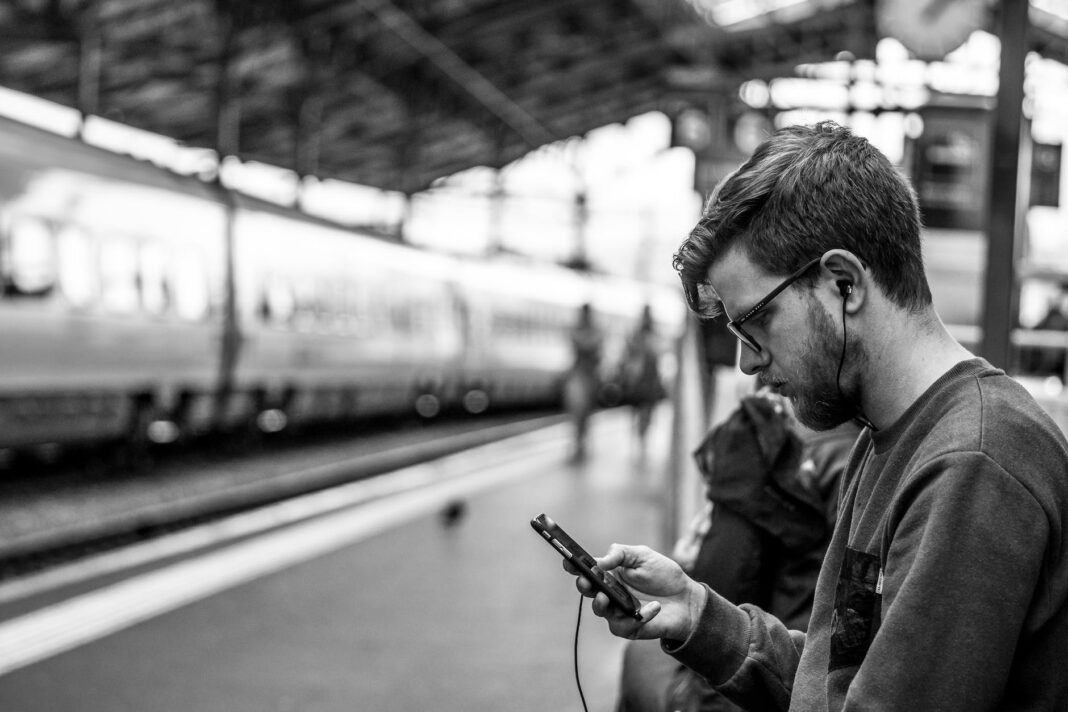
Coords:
pixel 845 287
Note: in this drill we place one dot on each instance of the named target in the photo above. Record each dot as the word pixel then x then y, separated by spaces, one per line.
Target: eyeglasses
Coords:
pixel 735 325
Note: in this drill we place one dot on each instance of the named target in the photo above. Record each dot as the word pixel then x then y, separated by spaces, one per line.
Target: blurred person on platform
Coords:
pixel 640 375
pixel 771 490
pixel 945 585
pixel 583 381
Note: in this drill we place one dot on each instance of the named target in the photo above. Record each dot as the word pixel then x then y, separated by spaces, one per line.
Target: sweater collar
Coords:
pixel 968 368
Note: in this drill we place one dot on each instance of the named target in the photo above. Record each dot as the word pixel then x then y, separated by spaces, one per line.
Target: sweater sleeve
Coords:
pixel 966 542
pixel 746 653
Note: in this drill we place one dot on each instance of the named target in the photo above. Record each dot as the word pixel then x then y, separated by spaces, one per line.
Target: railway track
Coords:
pixel 66 515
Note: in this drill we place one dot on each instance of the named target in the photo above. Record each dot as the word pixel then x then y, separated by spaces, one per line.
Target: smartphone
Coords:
pixel 604 581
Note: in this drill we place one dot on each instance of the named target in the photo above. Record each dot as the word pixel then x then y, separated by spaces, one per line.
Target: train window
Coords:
pixel 79 279
pixel 377 314
pixel 336 297
pixel 363 307
pixel 278 301
pixel 191 299
pixel 263 308
pixel 351 307
pixel 423 315
pixel 401 315
pixel 320 314
pixel 324 305
pixel 33 258
pixel 305 306
pixel 118 275
pixel 155 295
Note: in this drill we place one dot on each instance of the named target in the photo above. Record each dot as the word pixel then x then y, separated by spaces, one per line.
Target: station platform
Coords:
pixel 617 495
pixel 507 639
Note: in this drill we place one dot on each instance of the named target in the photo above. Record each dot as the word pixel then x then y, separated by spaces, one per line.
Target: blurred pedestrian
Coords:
pixel 583 380
pixel 771 487
pixel 945 585
pixel 640 375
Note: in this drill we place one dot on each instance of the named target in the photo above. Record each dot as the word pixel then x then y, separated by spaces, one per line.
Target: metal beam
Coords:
pixel 459 71
pixel 227 91
pixel 90 62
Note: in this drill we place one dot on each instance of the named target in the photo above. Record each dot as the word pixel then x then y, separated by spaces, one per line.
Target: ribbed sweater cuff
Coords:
pixel 718 644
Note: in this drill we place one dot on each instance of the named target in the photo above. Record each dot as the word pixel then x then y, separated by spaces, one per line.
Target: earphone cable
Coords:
pixel 578 683
pixel 841 360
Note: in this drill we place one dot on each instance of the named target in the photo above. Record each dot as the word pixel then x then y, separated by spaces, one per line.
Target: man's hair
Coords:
pixel 806 190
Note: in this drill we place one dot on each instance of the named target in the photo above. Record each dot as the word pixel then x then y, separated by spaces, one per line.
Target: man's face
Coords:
pixel 800 343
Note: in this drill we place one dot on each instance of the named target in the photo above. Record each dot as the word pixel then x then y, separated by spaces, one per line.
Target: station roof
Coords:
pixel 397 93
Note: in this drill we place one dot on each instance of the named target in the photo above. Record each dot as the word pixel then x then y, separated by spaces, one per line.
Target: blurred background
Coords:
pixel 255 249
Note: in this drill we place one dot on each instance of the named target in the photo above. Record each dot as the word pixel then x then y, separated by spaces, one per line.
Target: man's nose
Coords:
pixel 752 362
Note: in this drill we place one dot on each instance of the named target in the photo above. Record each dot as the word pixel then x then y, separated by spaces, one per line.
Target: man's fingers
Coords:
pixel 616 555
pixel 625 555
pixel 584 586
pixel 603 607
pixel 649 610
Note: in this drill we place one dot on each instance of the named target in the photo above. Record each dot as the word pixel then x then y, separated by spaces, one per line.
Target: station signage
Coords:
pixel 952 166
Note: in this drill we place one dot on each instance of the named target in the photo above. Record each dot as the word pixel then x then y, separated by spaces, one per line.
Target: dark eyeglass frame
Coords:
pixel 735 325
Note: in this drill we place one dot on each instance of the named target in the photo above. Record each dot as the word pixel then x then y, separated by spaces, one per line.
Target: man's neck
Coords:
pixel 903 362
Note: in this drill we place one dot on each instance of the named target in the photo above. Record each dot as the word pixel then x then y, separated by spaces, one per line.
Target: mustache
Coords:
pixel 766 381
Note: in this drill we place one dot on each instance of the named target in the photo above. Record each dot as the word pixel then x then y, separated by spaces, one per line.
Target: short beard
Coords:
pixel 819 402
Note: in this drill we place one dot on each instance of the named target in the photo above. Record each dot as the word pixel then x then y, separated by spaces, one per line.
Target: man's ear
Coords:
pixel 844 273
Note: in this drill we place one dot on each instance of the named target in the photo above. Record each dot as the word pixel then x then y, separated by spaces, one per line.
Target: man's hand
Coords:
pixel 672 601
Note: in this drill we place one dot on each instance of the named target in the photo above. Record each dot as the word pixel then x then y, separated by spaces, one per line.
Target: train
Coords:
pixel 142 306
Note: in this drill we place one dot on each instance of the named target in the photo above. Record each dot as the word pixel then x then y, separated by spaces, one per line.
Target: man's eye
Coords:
pixel 760 318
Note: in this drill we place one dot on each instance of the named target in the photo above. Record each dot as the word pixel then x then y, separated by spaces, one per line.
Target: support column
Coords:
pixel 307 142
pixel 90 61
pixel 1004 218
pixel 497 197
pixel 409 150
pixel 227 92
pixel 308 119
pixel 580 259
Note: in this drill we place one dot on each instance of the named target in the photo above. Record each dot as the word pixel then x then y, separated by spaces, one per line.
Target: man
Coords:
pixel 945 586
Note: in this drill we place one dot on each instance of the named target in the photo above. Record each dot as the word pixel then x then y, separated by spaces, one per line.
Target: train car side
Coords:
pixel 518 316
pixel 113 286
pixel 334 324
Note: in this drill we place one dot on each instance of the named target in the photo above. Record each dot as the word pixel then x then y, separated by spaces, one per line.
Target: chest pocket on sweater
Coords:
pixel 857 603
